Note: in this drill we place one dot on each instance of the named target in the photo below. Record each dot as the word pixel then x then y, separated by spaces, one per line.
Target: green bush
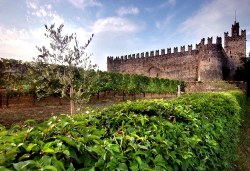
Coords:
pixel 195 132
pixel 28 80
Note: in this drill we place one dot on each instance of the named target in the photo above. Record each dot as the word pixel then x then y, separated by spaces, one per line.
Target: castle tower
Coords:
pixel 211 58
pixel 235 45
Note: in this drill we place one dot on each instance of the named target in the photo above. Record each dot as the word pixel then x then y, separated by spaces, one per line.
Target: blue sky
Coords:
pixel 121 27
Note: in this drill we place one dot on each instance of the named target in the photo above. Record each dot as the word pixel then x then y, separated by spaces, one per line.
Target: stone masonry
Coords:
pixel 206 62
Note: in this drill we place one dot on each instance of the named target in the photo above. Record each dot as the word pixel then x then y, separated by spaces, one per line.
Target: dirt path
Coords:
pixel 41 111
pixel 244 145
pixel 23 109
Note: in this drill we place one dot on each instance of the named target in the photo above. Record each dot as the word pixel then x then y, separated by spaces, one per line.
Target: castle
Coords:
pixel 207 62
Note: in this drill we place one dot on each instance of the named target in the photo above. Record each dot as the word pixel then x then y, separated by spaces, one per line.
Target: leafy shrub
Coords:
pixel 195 132
pixel 28 79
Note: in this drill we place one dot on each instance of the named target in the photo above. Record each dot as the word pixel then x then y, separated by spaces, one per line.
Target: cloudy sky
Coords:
pixel 121 27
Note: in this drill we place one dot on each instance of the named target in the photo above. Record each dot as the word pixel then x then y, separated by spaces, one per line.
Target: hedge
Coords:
pixel 195 132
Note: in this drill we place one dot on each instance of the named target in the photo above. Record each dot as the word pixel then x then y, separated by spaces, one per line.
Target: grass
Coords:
pixel 243 163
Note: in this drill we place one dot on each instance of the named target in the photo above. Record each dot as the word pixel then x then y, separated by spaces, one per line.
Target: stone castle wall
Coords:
pixel 171 65
pixel 202 63
pixel 235 45
pixel 207 62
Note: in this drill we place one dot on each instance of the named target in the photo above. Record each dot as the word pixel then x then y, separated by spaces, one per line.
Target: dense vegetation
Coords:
pixel 242 73
pixel 195 132
pixel 23 78
pixel 65 50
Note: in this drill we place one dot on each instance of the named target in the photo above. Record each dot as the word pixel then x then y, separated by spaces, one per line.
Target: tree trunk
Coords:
pixel 7 100
pixel 72 105
pixel 123 95
pixel 248 89
pixel 60 101
pixel 98 95
pixel 34 98
pixel 1 105
pixel 19 95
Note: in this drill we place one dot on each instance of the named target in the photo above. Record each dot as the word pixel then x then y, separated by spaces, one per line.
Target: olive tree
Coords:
pixel 61 62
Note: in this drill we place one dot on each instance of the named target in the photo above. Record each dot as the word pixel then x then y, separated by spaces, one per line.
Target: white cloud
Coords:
pixel 172 2
pixel 168 3
pixel 215 18
pixel 85 3
pixel 115 24
pixel 248 31
pixel 127 11
pixel 33 4
pixel 40 13
pixel 43 13
pixel 55 18
pixel 162 6
pixel 111 35
pixel 19 44
pixel 12 34
pixel 164 23
pixel 112 44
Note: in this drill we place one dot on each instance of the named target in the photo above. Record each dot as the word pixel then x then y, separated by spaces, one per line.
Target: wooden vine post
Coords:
pixel 1 98
pixel 179 91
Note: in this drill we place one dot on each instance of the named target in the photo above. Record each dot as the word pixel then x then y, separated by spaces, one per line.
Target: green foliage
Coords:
pixel 13 76
pixel 60 62
pixel 135 83
pixel 43 81
pixel 132 136
pixel 242 72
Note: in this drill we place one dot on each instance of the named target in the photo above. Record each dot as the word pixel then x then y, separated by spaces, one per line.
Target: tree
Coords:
pixel 61 62
pixel 246 67
pixel 243 72
pixel 13 76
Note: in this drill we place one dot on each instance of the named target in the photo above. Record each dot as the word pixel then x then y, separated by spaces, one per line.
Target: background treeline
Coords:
pixel 19 78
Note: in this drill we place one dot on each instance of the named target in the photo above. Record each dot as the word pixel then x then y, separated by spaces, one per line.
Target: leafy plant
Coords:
pixel 42 80
pixel 62 61
pixel 195 132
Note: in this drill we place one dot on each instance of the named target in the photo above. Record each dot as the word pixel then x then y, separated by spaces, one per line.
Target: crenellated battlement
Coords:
pixel 233 37
pixel 206 60
pixel 168 52
pixel 243 33
pixel 235 33
pixel 210 41
pixel 235 45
